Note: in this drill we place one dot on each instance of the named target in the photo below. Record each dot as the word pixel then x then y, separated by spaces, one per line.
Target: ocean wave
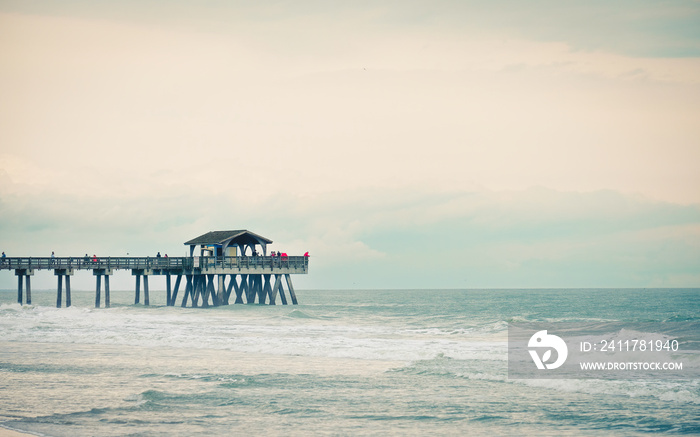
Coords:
pixel 298 314
pixel 488 367
pixel 685 392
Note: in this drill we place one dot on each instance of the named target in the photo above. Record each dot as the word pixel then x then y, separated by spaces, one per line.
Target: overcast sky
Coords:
pixel 422 144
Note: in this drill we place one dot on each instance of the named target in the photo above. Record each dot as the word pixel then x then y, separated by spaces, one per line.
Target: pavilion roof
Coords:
pixel 222 237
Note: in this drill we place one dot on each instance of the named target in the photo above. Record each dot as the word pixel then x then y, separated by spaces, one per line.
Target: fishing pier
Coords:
pixel 230 265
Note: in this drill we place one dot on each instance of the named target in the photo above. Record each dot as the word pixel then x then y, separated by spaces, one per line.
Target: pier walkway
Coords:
pixel 250 277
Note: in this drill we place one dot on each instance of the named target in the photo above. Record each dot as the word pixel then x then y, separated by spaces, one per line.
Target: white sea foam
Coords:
pixel 671 391
pixel 415 368
pixel 163 327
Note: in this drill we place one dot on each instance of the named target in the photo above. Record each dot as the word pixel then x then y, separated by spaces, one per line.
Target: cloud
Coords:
pixel 397 143
pixel 394 238
pixel 633 28
pixel 123 104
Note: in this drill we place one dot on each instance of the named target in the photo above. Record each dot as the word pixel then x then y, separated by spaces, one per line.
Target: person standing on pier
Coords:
pixel 53 258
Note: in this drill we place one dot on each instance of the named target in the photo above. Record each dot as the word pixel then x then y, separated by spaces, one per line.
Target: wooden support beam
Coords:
pixel 146 297
pixel 257 288
pixel 23 277
pixel 59 291
pixel 205 291
pixel 169 293
pixel 29 289
pixel 267 289
pixel 208 290
pixel 242 289
pixel 98 290
pixel 107 302
pixel 275 289
pixel 60 274
pixel 231 282
pixel 202 288
pixel 222 291
pixel 188 290
pixel 196 290
pixel 291 289
pixel 137 297
pixel 68 300
pixel 194 294
pixel 250 293
pixel 262 294
pixel 173 298
pixel 282 296
pixel 215 293
pixel 20 284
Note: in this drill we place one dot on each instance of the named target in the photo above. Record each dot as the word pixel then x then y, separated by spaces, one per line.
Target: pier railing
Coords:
pixel 252 262
pixel 299 263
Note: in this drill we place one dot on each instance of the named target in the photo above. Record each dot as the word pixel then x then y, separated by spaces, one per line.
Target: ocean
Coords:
pixel 342 362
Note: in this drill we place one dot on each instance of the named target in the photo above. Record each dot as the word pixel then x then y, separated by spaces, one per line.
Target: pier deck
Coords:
pixel 251 277
pixel 166 265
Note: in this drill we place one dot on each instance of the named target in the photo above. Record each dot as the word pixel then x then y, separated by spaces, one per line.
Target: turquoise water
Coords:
pixel 401 362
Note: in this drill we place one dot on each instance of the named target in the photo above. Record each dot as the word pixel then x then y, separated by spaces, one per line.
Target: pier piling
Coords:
pixel 146 295
pixel 20 292
pixel 59 292
pixel 68 298
pixel 107 291
pixel 137 290
pixel 98 290
pixel 99 273
pixel 24 278
pixel 60 275
pixel 168 290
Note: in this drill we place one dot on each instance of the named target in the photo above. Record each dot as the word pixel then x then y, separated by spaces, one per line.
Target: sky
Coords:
pixel 412 144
